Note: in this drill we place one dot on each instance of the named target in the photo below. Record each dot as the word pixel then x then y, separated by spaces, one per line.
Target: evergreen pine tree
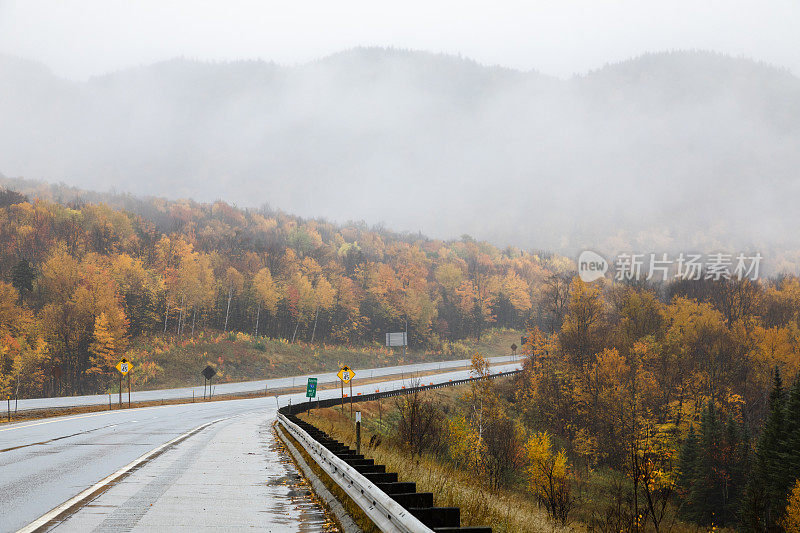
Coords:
pixel 22 276
pixel 754 503
pixel 712 468
pixel 735 457
pixel 707 495
pixel 791 453
pixel 774 437
pixel 687 463
pixel 746 457
pixel 765 499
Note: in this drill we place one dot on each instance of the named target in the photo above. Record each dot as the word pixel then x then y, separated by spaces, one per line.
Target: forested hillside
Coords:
pixel 680 392
pixel 83 281
pixel 640 403
pixel 652 408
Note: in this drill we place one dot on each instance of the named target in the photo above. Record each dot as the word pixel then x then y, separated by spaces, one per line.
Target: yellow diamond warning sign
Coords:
pixel 346 374
pixel 124 366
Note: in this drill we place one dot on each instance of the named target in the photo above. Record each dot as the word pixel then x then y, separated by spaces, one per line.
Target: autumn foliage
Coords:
pixel 672 391
pixel 650 409
pixel 84 281
pixel 666 400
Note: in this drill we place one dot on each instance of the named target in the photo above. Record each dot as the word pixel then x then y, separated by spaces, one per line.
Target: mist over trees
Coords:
pixel 665 152
pixel 82 283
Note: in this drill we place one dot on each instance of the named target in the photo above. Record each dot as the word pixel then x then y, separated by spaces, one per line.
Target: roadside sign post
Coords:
pixel 55 373
pixel 208 373
pixel 358 432
pixel 124 367
pixel 346 375
pixel 311 391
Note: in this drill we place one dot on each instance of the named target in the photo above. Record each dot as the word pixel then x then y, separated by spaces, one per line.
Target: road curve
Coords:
pixel 244 386
pixel 46 462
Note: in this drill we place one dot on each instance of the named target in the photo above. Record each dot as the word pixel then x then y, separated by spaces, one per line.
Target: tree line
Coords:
pixel 81 281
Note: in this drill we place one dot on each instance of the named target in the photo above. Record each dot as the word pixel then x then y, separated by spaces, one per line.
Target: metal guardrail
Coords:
pixel 331 402
pixel 385 512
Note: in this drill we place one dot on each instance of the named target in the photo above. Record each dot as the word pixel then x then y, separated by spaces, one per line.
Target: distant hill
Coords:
pixel 663 152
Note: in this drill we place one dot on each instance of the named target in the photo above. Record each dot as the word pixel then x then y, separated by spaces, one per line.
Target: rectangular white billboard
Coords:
pixel 396 339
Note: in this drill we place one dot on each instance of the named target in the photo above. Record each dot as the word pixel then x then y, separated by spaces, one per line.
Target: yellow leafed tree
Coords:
pixel 324 298
pixel 22 352
pixel 267 293
pixel 465 444
pixel 791 520
pixel 549 477
pixel 79 292
pixel 103 347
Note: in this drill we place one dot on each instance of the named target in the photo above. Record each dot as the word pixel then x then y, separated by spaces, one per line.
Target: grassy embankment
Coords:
pixel 163 362
pixel 504 510
pixel 507 509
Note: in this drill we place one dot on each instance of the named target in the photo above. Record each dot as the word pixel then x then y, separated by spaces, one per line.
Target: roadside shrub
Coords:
pixel 260 346
pixel 420 424
pixel 503 449
pixel 550 477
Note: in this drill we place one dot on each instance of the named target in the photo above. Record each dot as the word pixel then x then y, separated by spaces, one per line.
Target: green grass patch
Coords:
pixel 164 361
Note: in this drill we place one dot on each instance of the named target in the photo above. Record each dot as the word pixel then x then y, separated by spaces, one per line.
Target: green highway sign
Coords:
pixel 311 390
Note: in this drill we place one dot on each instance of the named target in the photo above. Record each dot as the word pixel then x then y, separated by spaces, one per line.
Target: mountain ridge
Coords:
pixel 435 143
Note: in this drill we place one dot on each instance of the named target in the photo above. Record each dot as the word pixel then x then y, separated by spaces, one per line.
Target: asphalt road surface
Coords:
pixel 226 475
pixel 244 386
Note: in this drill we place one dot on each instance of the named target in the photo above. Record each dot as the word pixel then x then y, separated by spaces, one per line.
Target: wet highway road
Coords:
pixel 247 386
pixel 46 462
pixel 231 476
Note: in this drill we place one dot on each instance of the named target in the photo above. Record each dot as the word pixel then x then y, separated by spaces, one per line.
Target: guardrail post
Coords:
pixel 358 432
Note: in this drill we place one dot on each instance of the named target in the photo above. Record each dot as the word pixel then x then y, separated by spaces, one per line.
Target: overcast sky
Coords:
pixel 78 39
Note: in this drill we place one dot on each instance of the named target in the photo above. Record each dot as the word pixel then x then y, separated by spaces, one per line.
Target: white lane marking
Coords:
pixel 54 513
pixel 77 417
